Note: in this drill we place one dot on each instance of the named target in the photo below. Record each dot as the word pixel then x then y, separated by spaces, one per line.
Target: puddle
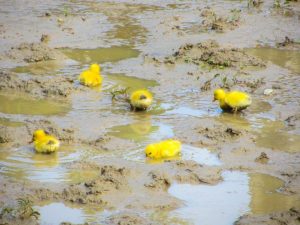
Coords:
pixel 101 55
pixel 57 212
pixel 199 155
pixel 238 194
pixel 289 59
pixel 272 135
pixel 79 176
pixel 226 201
pixel 142 131
pixel 130 30
pixel 24 163
pixel 265 197
pixel 29 106
pixel 124 81
pixel 40 68
pixel 9 123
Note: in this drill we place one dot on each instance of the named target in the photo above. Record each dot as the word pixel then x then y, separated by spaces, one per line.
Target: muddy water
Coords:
pixel 285 58
pixel 101 55
pixel 24 164
pixel 40 68
pixel 94 114
pixel 238 194
pixel 10 123
pixel 64 213
pixel 14 104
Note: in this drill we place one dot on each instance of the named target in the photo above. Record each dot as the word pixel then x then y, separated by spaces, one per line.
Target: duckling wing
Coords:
pixel 238 100
pixel 47 145
pixel 171 148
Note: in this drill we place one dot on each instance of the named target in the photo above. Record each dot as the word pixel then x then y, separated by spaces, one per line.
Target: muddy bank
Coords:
pixel 211 53
pixel 128 187
pixel 291 217
pixel 39 87
pixel 33 52
pixel 121 182
pixel 185 50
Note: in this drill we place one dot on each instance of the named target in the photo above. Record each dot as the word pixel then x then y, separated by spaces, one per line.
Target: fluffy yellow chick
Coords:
pixel 140 100
pixel 163 149
pixel 232 101
pixel 44 143
pixel 91 77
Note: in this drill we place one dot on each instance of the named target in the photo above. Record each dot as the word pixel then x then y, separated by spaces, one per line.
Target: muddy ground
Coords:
pixel 181 51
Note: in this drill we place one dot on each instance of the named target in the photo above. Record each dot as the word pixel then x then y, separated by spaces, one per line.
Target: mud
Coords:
pixel 211 53
pixel 34 52
pixel 181 51
pixel 289 217
pixel 39 87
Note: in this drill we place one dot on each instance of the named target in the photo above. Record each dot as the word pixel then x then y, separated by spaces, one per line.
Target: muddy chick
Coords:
pixel 140 100
pixel 232 101
pixel 163 149
pixel 44 143
pixel 91 77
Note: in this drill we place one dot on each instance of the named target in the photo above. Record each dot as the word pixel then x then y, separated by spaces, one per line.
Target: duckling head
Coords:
pixel 219 94
pixel 151 151
pixel 38 134
pixel 141 99
pixel 95 68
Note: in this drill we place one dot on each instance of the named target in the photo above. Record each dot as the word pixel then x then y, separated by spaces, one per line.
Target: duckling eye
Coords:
pixel 142 97
pixel 150 153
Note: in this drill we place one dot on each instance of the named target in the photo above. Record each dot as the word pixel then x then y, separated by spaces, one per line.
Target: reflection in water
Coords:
pixel 237 194
pixel 101 55
pixel 56 213
pixel 225 201
pixel 133 83
pixel 235 120
pixel 285 58
pixel 142 131
pixel 28 106
pixel 200 155
pixel 265 197
pixel 24 163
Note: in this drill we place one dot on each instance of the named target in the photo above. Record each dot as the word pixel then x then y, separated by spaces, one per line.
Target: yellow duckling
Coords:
pixel 44 143
pixel 163 149
pixel 91 77
pixel 232 101
pixel 140 100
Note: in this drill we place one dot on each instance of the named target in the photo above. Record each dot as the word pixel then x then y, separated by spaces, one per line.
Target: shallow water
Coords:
pixel 285 58
pixel 142 131
pixel 24 164
pixel 222 203
pixel 238 194
pixel 40 68
pixel 64 213
pixel 11 104
pixel 10 123
pixel 101 55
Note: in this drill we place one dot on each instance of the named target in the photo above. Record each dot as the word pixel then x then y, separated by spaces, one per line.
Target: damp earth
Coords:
pixel 238 168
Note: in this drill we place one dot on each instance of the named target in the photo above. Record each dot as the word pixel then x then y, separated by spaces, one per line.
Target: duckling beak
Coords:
pixel 214 100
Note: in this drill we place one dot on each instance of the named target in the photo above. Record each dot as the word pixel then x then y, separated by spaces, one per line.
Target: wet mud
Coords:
pixel 181 52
